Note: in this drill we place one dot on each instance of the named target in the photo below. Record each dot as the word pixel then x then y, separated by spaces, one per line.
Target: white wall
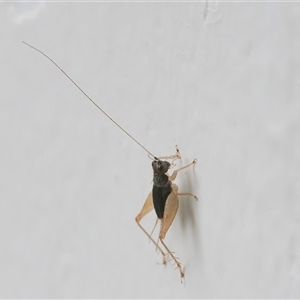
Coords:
pixel 221 80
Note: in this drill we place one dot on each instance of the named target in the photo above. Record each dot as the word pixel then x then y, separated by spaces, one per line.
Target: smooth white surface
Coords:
pixel 221 80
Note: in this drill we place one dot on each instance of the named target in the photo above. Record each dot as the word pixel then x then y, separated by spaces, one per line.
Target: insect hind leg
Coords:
pixel 155 243
pixel 178 264
pixel 148 206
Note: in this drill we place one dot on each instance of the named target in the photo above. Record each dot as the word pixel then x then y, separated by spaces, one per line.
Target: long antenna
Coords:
pixel 86 95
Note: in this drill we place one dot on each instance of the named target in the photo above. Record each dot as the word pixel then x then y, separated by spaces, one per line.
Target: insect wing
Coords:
pixel 147 207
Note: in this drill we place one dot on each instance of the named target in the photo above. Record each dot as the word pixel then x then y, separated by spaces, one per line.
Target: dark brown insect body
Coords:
pixel 162 186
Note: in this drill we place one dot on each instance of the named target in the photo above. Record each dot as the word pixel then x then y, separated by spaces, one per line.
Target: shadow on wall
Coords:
pixel 188 217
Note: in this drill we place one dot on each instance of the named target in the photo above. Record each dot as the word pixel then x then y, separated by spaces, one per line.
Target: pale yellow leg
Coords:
pixel 174 174
pixel 174 258
pixel 148 206
pixel 171 208
pixel 174 157
pixel 153 231
pixel 154 226
pixel 188 194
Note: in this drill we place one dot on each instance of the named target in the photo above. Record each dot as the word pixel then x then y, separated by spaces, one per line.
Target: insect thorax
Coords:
pixel 160 180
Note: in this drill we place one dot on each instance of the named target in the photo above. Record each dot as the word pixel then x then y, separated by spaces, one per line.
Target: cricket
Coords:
pixel 164 197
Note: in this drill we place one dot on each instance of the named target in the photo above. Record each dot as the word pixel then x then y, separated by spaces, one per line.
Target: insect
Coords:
pixel 164 195
pixel 164 199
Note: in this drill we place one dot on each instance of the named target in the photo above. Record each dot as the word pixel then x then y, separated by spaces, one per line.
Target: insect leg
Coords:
pixel 174 156
pixel 173 257
pixel 188 194
pixel 174 174
pixel 148 206
pixel 170 212
pixel 157 219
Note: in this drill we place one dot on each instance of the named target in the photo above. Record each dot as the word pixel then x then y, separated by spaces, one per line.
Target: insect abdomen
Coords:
pixel 160 195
